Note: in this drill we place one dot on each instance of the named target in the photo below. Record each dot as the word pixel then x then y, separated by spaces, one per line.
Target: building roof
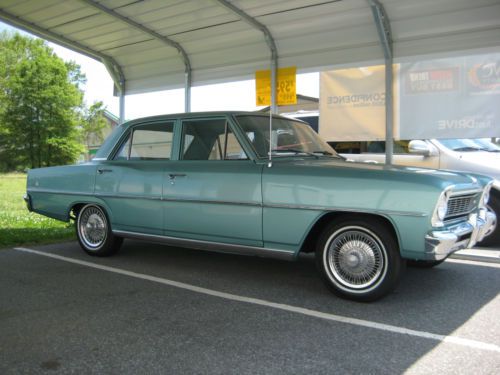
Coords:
pixel 149 43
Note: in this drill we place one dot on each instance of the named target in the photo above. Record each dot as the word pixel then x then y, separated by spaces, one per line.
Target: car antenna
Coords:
pixel 270 161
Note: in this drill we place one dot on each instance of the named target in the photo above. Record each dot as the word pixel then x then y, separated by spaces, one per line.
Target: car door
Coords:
pixel 131 183
pixel 213 192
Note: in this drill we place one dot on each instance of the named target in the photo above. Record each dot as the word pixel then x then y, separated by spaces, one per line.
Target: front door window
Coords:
pixel 210 140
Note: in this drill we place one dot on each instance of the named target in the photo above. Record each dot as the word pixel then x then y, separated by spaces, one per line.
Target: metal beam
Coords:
pixel 111 65
pixel 154 34
pixel 269 40
pixel 122 108
pixel 385 35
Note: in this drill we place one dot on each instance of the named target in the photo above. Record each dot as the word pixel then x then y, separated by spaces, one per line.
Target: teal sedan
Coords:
pixel 252 184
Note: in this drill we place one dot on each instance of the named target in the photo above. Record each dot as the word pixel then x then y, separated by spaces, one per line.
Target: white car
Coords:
pixel 465 155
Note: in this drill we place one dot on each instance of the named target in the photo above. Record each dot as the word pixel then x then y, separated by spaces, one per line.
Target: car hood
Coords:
pixel 438 178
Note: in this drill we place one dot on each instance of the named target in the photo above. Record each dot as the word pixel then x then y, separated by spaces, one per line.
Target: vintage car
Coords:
pixel 238 182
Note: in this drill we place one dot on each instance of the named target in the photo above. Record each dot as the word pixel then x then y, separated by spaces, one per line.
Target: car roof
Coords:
pixel 199 115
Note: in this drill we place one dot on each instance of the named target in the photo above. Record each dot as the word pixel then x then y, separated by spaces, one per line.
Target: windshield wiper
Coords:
pixel 293 150
pixel 328 153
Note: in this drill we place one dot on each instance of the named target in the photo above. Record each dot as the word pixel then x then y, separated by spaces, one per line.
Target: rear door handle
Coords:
pixel 101 170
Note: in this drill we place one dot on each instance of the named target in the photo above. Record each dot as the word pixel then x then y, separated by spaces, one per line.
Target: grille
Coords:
pixel 461 205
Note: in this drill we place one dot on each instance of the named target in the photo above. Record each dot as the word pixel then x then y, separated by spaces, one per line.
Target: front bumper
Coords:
pixel 440 244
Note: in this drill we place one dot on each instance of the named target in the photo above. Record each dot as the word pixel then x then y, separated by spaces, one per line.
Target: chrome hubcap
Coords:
pixel 356 259
pixel 92 227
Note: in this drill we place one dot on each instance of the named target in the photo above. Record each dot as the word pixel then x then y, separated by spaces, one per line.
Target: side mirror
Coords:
pixel 418 147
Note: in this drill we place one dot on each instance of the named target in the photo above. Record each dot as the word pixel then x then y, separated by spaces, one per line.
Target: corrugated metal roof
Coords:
pixel 310 34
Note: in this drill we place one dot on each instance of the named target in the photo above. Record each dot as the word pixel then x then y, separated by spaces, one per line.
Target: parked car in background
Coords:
pixel 464 155
pixel 205 181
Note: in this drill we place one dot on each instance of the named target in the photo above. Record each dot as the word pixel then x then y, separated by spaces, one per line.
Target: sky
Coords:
pixel 227 96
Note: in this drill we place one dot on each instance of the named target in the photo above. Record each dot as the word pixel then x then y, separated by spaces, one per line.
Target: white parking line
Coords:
pixel 299 310
pixel 479 263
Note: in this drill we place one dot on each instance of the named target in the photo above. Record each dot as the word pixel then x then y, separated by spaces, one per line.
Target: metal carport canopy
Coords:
pixel 153 45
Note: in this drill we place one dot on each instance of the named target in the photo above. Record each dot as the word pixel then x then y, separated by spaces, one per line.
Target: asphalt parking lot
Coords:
pixel 156 309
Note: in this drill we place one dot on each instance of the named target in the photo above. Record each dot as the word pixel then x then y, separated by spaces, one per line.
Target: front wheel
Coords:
pixel 359 259
pixel 94 232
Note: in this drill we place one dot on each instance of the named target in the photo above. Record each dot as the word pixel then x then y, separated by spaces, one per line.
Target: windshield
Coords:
pixel 467 144
pixel 288 137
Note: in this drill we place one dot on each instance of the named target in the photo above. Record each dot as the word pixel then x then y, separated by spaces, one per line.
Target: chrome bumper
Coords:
pixel 440 244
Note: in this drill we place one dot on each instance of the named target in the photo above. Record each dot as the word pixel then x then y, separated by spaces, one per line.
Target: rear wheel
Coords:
pixel 94 232
pixel 359 259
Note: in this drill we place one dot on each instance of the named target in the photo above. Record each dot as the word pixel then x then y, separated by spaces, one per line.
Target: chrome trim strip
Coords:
pixel 155 198
pixel 209 201
pixel 326 208
pixel 151 198
pixel 51 191
pixel 455 193
pixel 250 204
pixel 210 246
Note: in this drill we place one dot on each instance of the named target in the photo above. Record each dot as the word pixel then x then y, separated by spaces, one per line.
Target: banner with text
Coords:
pixel 352 104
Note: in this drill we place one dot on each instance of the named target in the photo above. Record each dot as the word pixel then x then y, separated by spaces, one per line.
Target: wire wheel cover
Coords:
pixel 93 227
pixel 356 258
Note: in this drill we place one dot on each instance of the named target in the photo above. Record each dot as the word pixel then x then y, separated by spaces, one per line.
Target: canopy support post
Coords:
pixel 122 107
pixel 187 90
pixel 385 35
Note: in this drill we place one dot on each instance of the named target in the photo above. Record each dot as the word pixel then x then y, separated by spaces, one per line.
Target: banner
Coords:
pixel 451 98
pixel 352 104
pixel 455 97
pixel 285 86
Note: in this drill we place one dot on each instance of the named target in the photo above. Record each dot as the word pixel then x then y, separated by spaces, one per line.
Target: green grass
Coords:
pixel 18 226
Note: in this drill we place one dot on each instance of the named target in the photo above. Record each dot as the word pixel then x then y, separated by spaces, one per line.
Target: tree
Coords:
pixel 39 100
pixel 93 124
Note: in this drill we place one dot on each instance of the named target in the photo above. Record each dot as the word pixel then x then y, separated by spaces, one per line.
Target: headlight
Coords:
pixel 441 208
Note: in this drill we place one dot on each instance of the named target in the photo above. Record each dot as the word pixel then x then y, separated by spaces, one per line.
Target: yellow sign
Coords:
pixel 285 86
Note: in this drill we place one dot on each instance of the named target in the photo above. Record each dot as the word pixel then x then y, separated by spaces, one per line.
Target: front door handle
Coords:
pixel 172 176
pixel 101 170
